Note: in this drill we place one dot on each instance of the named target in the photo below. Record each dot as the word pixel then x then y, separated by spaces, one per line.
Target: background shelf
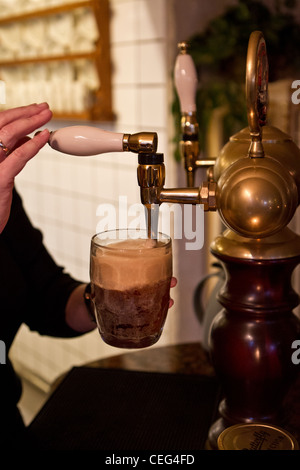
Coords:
pixel 31 72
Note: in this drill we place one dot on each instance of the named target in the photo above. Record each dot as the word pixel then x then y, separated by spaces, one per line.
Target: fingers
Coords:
pixel 16 161
pixel 21 121
pixel 15 124
pixel 172 284
pixel 13 114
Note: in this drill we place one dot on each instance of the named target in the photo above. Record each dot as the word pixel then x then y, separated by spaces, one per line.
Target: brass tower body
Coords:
pixel 256 192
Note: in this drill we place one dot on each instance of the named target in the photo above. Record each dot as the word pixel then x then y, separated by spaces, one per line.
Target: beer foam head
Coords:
pixel 126 264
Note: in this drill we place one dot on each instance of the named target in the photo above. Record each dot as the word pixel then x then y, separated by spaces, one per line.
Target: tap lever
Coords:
pixel 186 80
pixel 88 140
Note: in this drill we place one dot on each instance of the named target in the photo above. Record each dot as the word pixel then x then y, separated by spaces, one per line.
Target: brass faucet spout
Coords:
pixel 205 194
pixel 180 195
pixel 151 179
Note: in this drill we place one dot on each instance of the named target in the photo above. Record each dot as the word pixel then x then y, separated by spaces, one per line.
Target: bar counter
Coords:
pixel 191 358
pixel 188 358
pixel 160 398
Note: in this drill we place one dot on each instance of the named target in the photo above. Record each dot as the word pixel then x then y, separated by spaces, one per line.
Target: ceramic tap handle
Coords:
pixel 186 80
pixel 85 140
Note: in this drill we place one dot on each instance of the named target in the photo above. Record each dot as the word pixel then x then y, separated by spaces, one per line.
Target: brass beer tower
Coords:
pixel 256 194
pixel 257 177
pixel 254 184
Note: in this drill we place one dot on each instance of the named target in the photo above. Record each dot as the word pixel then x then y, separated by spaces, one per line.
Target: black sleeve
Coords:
pixel 47 286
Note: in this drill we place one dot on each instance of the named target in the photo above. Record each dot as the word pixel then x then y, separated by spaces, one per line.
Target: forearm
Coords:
pixel 77 315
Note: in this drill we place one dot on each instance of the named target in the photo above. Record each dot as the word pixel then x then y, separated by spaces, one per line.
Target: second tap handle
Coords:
pixel 88 140
pixel 186 80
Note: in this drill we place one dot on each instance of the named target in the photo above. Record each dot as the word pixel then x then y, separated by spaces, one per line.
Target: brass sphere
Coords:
pixel 276 143
pixel 256 197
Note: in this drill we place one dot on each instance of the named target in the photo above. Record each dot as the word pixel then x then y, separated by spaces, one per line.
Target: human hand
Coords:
pixel 16 148
pixel 173 284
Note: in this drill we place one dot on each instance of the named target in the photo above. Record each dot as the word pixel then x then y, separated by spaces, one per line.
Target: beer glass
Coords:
pixel 130 286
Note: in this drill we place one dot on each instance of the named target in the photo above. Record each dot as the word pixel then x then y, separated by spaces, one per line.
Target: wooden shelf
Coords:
pixel 66 57
pixel 55 10
pixel 101 109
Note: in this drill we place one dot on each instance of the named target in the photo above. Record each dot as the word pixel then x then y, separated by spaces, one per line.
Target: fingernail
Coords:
pixel 43 132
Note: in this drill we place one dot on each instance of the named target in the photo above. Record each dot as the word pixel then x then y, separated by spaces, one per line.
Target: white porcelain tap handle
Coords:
pixel 85 140
pixel 88 140
pixel 186 80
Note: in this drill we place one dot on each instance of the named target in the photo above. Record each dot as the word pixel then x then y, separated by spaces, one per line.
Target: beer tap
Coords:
pixel 151 179
pixel 88 141
pixel 256 190
pixel 186 82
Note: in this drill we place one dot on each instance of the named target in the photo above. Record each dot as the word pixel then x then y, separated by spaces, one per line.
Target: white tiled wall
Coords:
pixel 62 193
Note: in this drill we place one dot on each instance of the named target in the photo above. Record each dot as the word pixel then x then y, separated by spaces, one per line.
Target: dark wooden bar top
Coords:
pixel 188 358
pixel 162 398
pixel 191 358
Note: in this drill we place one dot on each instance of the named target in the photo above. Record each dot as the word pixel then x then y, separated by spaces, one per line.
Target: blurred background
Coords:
pixel 62 193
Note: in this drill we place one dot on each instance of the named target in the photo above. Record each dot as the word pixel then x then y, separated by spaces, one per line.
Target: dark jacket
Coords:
pixel 33 291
